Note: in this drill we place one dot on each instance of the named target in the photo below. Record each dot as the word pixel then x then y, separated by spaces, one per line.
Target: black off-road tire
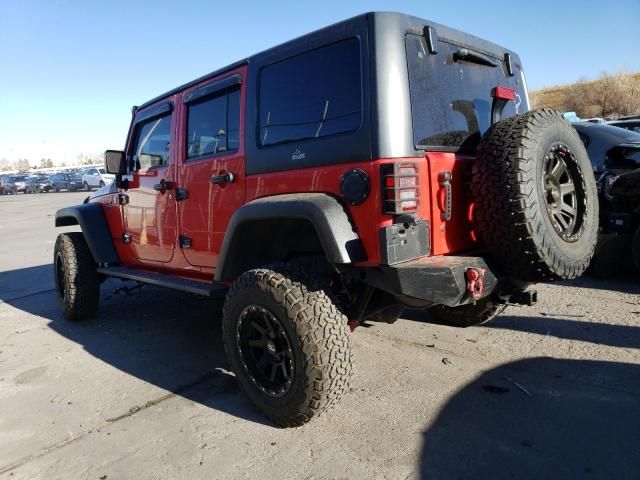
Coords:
pixel 317 332
pixel 468 315
pixel 77 281
pixel 511 205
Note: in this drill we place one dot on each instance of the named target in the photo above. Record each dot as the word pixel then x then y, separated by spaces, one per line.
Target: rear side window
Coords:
pixel 451 100
pixel 152 142
pixel 213 125
pixel 314 94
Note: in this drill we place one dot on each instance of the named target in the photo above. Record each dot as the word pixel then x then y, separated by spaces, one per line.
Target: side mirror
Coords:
pixel 114 162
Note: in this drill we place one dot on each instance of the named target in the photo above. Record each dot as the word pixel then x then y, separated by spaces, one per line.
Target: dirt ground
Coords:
pixel 144 391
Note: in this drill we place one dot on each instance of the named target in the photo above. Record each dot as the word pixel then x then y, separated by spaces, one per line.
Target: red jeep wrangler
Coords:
pixel 380 163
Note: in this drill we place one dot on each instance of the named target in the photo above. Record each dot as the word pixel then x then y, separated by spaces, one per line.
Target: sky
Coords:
pixel 70 71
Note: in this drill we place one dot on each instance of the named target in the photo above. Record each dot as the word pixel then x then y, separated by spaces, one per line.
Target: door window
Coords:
pixel 213 125
pixel 152 142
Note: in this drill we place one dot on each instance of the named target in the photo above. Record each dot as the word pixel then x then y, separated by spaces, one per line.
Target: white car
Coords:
pixel 96 177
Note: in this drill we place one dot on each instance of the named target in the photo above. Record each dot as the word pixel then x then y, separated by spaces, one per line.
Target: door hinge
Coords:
pixel 126 238
pixel 123 199
pixel 181 194
pixel 185 242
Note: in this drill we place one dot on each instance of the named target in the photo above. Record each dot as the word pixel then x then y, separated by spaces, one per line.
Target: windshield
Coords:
pixel 451 96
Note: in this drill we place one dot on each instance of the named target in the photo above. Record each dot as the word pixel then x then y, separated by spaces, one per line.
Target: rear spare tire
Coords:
pixel 535 198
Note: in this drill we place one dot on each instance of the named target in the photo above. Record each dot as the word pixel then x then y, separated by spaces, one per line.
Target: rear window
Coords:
pixel 451 100
pixel 314 94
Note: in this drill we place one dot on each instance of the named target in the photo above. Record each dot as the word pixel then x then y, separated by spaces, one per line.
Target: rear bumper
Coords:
pixel 440 280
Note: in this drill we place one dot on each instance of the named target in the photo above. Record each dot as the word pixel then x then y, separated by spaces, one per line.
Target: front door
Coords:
pixel 150 215
pixel 211 165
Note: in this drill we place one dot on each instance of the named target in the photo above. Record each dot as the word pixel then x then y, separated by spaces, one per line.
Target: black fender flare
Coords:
pixel 93 223
pixel 337 236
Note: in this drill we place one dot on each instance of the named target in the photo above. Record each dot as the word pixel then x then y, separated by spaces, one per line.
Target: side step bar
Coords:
pixel 192 286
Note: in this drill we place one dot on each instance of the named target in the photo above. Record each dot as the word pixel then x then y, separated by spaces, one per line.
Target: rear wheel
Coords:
pixel 536 205
pixel 287 343
pixel 466 315
pixel 77 281
pixel 86 186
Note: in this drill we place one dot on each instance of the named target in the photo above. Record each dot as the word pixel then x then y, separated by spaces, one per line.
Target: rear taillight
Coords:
pixel 400 188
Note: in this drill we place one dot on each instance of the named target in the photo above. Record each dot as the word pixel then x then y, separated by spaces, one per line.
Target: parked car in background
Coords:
pixel 19 182
pixel 38 184
pixel 6 186
pixel 66 181
pixel 633 125
pixel 615 156
pixel 96 177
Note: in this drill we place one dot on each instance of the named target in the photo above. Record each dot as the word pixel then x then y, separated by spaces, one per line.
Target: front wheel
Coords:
pixel 466 315
pixel 101 184
pixel 287 343
pixel 86 187
pixel 77 281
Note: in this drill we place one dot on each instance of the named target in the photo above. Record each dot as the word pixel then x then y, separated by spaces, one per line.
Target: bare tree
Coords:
pixel 610 95
pixel 23 164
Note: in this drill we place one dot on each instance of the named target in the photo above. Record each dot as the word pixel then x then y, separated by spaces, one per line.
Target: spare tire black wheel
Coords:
pixel 535 198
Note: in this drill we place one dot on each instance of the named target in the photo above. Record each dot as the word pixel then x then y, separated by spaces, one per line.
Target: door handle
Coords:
pixel 444 179
pixel 162 186
pixel 222 179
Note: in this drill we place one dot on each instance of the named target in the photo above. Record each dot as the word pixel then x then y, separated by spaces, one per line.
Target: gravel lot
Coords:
pixel 143 391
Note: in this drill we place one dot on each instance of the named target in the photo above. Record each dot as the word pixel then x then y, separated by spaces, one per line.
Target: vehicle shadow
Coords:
pixel 580 419
pixel 167 338
pixel 625 336
pixel 622 281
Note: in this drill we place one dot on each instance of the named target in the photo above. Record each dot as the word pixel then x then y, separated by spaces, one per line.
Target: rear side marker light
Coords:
pixel 401 189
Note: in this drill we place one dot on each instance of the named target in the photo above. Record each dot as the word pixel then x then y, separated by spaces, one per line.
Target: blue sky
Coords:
pixel 71 70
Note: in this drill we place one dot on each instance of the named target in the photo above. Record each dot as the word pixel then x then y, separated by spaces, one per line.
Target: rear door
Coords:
pixel 211 164
pixel 150 214
pixel 452 106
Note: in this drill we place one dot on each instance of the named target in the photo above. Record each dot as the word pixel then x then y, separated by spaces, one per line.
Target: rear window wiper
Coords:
pixel 470 56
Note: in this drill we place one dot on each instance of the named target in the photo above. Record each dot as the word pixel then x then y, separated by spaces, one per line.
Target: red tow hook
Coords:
pixel 474 278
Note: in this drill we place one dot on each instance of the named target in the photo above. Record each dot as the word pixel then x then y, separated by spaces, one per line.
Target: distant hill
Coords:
pixel 608 96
